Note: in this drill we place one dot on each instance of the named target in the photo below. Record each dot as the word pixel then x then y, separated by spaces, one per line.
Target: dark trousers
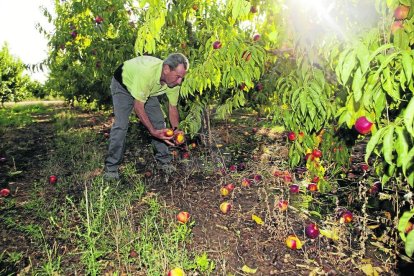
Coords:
pixel 123 103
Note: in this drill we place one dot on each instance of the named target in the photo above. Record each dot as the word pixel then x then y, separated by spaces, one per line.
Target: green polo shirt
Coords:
pixel 141 75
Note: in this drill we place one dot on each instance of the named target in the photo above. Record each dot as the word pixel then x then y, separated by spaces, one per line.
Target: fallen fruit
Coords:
pixel 224 191
pixel 246 182
pixel 293 242
pixel 216 44
pixel 148 174
pixel 169 132
pixel 52 179
pixel 346 217
pixel 133 253
pixel 364 167
pixel 317 153
pixel 312 231
pixel 312 187
pixel 259 87
pixel 4 192
pixel 185 155
pixel 362 125
pixel 315 179
pixel 291 136
pixel 401 12
pixel 176 272
pixel 375 188
pixel 225 207
pixel 294 189
pixel 183 217
pixel 257 177
pixel 241 167
pixel 230 187
pixel 233 168
pixel 283 205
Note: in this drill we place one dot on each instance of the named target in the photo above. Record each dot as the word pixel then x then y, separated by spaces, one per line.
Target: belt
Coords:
pixel 118 76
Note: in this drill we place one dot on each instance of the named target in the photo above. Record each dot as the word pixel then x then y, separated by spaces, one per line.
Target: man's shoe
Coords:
pixel 111 176
pixel 167 168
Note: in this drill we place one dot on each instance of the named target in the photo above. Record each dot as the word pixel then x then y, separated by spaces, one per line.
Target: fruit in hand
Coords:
pixel 183 217
pixel 4 192
pixel 346 217
pixel 176 272
pixel 401 12
pixel 179 138
pixel 362 125
pixel 52 179
pixel 225 207
pixel 293 242
pixel 312 231
pixel 169 132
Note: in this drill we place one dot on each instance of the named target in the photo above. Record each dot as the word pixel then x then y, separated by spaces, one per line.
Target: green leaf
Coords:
pixel 373 142
pixel 403 221
pixel 409 116
pixel 401 146
pixel 348 66
pixel 388 144
pixel 407 62
pixel 357 85
pixel 363 57
pixel 409 244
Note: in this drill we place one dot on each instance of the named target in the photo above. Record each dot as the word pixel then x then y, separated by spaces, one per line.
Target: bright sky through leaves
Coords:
pixel 18 19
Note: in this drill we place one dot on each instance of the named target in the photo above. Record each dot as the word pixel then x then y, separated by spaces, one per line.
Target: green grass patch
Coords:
pixel 21 115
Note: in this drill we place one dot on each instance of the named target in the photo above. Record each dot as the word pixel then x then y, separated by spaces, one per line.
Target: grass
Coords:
pixel 87 226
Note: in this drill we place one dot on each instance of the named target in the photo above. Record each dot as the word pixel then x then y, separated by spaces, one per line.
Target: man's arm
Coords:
pixel 174 116
pixel 142 115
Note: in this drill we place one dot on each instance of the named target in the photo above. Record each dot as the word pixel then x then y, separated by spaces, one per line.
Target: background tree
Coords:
pixel 13 81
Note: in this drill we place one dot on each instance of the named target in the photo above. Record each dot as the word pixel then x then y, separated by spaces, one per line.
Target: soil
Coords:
pixel 233 240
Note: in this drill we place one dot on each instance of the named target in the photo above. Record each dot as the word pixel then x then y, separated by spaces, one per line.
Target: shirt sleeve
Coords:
pixel 172 95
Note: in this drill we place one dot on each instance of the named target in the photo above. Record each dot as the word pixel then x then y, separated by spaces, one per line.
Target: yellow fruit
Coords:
pixel 176 272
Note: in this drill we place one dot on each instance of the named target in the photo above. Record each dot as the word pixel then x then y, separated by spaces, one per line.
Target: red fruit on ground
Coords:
pixel 294 189
pixel 225 207
pixel 4 192
pixel 291 136
pixel 363 125
pixel 293 242
pixel 246 182
pixel 315 179
pixel 364 167
pixel 230 187
pixel 183 217
pixel 317 153
pixel 52 179
pixel 224 191
pixel 233 168
pixel 346 217
pixel 185 155
pixel 283 205
pixel 312 187
pixel 312 231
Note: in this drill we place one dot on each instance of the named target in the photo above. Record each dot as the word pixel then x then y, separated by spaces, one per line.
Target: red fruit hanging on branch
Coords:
pixel 401 12
pixel 216 45
pixel 363 126
pixel 317 153
pixel 396 25
pixel 256 37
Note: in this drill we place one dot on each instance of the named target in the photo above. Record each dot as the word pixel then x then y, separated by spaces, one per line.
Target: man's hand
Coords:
pixel 162 135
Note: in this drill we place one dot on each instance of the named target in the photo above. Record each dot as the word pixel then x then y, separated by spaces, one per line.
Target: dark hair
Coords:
pixel 173 60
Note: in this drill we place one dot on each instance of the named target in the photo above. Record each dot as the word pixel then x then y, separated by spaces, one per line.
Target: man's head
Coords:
pixel 174 68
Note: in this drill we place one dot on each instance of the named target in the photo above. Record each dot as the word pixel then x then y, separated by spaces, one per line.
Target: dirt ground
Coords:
pixel 233 240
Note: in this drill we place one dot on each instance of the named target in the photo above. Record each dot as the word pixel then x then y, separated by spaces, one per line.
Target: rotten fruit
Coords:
pixel 183 217
pixel 225 207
